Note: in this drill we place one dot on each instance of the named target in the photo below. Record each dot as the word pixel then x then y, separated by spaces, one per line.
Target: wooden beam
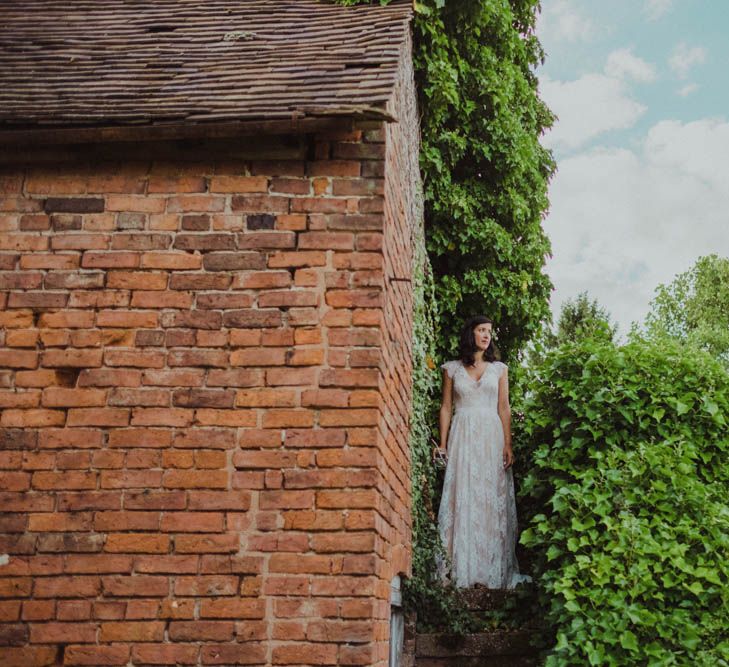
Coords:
pixel 172 131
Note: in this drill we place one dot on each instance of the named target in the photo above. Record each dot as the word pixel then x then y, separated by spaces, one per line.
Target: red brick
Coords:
pixel 72 358
pixel 310 654
pixel 66 587
pixel 296 259
pixel 248 653
pixel 23 242
pixel 50 261
pixel 261 279
pixel 195 479
pixel 139 397
pixel 64 480
pixel 73 610
pixel 137 543
pixel 110 378
pixel 258 357
pixel 57 397
pixel 194 544
pixel 17 280
pixel 192 522
pixel 28 656
pixel 37 610
pixel 334 168
pixel 166 564
pixel 135 358
pixel 135 586
pixel 19 399
pixel 15 587
pixel 130 479
pixel 155 500
pixel 157 299
pixel 70 438
pixel 206 585
pixel 219 500
pixel 170 260
pixel 94 417
pixel 149 280
pixel 90 500
pixel 61 633
pixel 201 630
pixel 173 183
pixel 132 631
pixel 96 655
pixel 16 319
pixel 233 608
pixel 165 654
pixel 204 437
pixel 176 378
pixel 197 358
pixel 126 319
pixel 59 521
pixel 97 564
pixel 106 521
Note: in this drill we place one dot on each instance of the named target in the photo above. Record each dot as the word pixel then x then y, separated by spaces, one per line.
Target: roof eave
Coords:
pixel 313 120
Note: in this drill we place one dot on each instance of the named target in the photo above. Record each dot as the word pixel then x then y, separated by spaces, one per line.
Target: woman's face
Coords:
pixel 482 335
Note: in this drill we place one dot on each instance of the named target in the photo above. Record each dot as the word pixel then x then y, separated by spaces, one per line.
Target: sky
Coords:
pixel 641 89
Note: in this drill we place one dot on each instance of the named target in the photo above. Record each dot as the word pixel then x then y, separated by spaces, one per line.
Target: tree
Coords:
pixel 582 318
pixel 694 307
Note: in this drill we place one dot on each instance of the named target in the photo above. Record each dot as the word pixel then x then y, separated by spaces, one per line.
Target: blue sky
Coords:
pixel 642 144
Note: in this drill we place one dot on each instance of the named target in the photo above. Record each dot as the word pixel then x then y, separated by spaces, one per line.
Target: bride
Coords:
pixel 477 515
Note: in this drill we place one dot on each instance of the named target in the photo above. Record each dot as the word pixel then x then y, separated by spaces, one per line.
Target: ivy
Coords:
pixel 627 450
pixel 485 179
pixel 485 174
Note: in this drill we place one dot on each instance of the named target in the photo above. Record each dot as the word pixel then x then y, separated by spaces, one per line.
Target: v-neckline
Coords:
pixel 485 370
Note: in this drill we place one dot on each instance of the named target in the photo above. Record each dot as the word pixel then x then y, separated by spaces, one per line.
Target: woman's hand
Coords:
pixel 508 455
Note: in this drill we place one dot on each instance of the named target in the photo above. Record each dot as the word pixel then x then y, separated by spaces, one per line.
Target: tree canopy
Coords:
pixel 694 307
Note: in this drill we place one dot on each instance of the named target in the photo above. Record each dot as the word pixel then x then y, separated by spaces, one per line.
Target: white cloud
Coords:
pixel 623 221
pixel 686 90
pixel 657 8
pixel 595 103
pixel 622 64
pixel 684 57
pixel 563 20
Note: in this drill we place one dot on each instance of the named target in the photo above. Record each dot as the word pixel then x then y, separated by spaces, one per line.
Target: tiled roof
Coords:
pixel 72 63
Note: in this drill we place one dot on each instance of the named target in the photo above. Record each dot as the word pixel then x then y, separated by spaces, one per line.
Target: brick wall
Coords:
pixel 205 394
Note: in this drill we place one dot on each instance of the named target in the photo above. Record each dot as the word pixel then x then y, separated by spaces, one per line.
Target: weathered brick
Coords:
pixel 18 359
pixel 165 654
pixel 233 261
pixel 95 655
pixel 56 397
pixel 253 317
pixel 74 205
pixel 132 631
pixel 110 260
pixel 179 261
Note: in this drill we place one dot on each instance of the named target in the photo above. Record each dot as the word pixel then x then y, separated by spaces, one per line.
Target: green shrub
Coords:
pixel 627 485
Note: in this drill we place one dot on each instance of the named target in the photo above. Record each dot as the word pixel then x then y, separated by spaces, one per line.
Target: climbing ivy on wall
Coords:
pixel 485 179
pixel 485 174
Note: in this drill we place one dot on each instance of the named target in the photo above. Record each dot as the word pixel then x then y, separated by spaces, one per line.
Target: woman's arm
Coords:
pixel 446 408
pixel 505 416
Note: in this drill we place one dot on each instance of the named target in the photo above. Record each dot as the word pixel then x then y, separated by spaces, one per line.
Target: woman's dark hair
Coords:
pixel 468 347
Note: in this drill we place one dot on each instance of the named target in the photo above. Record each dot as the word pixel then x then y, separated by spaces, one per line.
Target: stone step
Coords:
pixel 500 643
pixel 486 599
pixel 493 661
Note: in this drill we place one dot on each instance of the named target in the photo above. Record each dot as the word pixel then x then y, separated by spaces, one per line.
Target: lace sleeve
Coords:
pixel 450 367
pixel 501 367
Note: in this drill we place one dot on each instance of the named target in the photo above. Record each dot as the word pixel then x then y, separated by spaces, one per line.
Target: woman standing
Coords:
pixel 477 515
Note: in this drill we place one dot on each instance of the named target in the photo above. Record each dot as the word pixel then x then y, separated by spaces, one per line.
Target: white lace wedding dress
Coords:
pixel 477 515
